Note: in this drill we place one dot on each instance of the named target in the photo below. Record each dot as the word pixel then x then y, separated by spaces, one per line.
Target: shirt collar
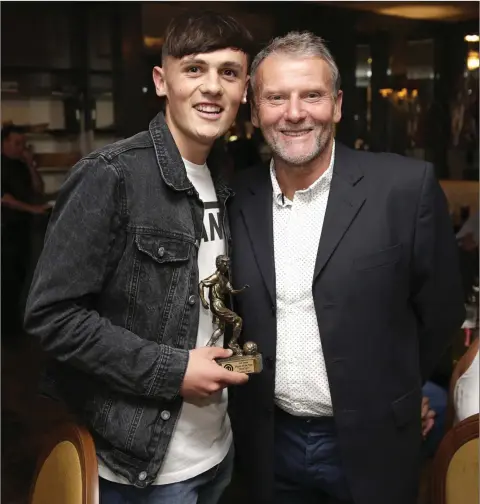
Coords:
pixel 316 188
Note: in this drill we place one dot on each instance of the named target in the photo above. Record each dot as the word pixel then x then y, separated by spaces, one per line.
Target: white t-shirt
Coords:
pixel 202 435
pixel 466 393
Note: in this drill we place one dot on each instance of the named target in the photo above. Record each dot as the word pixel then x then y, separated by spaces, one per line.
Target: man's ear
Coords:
pixel 337 111
pixel 159 81
pixel 245 92
pixel 254 113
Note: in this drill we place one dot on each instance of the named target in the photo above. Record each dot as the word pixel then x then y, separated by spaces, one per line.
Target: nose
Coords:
pixel 295 112
pixel 212 84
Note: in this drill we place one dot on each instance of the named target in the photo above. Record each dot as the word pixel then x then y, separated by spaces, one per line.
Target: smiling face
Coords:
pixel 203 94
pixel 296 107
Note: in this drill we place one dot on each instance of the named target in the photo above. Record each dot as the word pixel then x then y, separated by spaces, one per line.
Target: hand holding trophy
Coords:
pixel 246 359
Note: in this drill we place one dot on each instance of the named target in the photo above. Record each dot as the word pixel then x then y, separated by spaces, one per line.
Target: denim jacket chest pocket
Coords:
pixel 159 286
pixel 162 249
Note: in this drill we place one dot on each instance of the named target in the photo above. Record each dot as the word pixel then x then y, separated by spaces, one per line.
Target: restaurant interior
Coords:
pixel 78 75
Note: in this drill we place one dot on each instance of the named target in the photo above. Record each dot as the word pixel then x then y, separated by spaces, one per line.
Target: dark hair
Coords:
pixel 205 32
pixel 8 129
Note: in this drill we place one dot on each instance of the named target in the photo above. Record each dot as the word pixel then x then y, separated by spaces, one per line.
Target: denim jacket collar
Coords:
pixel 170 161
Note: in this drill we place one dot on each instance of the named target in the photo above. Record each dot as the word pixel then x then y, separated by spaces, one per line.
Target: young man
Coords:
pixel 115 300
pixel 354 295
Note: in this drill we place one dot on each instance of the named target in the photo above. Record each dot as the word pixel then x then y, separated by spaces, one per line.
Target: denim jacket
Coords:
pixel 115 300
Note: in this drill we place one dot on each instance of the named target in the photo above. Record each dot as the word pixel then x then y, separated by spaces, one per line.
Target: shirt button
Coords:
pixel 161 252
pixel 142 476
pixel 192 299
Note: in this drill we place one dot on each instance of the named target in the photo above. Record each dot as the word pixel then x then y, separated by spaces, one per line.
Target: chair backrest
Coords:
pixel 462 365
pixel 455 466
pixel 67 472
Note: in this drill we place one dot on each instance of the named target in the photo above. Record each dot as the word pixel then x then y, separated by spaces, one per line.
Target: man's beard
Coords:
pixel 297 161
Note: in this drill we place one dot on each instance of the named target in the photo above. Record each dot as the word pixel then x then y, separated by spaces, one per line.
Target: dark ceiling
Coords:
pixel 429 11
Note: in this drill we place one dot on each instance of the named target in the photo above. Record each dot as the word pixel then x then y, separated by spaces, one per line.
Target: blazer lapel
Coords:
pixel 258 216
pixel 344 202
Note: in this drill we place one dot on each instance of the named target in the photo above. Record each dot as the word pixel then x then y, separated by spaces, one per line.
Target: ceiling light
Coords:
pixel 153 42
pixel 472 38
pixel 473 60
pixel 424 11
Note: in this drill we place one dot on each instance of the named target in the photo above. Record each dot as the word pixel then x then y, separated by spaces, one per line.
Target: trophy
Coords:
pixel 243 360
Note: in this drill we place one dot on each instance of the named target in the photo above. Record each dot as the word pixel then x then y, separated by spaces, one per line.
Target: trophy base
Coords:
pixel 242 363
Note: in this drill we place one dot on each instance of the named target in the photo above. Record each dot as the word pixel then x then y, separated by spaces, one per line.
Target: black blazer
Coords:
pixel 388 298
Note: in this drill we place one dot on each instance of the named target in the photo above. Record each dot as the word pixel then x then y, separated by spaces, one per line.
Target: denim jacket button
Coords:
pixel 165 415
pixel 190 192
pixel 142 476
pixel 192 299
pixel 161 252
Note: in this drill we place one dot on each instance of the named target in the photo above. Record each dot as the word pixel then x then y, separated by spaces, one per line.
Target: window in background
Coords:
pixel 410 96
pixel 465 130
pixel 418 100
pixel 363 97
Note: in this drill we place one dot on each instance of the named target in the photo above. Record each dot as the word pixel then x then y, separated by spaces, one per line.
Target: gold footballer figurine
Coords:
pixel 243 360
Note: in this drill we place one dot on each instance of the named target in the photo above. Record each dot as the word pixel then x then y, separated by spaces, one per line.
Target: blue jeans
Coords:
pixel 308 467
pixel 206 488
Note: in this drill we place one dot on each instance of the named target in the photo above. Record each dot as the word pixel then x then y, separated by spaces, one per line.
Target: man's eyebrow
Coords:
pixel 233 64
pixel 267 90
pixel 191 60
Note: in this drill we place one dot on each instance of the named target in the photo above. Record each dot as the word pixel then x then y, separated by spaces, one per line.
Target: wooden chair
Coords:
pixel 67 472
pixel 455 466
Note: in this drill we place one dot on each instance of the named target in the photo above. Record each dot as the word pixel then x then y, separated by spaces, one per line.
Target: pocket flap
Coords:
pixel 163 249
pixel 408 407
pixel 384 257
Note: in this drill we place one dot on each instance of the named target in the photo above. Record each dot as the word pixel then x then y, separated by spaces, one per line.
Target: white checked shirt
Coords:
pixel 301 383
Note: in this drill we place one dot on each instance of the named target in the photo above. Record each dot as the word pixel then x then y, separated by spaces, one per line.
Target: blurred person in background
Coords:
pixel 22 187
pixel 467 238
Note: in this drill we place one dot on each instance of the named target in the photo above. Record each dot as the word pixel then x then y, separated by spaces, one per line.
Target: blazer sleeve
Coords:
pixel 437 294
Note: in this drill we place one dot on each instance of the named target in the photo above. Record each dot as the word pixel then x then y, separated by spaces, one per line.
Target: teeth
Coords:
pixel 295 133
pixel 213 109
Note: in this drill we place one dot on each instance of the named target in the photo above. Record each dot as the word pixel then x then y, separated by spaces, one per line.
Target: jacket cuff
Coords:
pixel 170 372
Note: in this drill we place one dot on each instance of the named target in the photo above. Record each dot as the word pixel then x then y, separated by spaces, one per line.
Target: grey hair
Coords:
pixel 297 44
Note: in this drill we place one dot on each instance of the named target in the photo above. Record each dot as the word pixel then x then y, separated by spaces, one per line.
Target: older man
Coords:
pixel 354 295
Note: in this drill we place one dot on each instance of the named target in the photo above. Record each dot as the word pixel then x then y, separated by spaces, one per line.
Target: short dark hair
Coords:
pixel 10 128
pixel 205 32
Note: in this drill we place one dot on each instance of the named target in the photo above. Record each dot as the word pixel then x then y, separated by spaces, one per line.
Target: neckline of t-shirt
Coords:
pixel 192 166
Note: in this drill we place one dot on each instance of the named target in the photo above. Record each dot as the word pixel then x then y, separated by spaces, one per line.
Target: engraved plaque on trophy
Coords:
pixel 245 359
